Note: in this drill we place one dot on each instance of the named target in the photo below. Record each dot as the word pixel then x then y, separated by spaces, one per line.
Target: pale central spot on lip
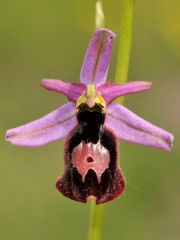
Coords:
pixel 90 156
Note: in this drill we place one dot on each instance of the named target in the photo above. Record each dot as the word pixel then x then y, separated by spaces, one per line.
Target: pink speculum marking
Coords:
pixel 91 156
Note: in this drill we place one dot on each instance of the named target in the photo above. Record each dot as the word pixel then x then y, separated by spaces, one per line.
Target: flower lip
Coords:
pixel 91 165
pixel 104 180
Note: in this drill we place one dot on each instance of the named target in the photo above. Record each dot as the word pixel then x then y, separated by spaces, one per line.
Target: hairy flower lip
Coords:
pixel 72 185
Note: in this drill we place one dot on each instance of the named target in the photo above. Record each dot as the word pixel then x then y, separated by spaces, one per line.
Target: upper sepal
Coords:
pixel 96 61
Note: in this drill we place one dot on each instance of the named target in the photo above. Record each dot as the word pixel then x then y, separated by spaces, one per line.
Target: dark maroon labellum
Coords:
pixel 91 160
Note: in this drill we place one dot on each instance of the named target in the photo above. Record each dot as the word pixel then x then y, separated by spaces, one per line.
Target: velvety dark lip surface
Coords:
pixel 105 182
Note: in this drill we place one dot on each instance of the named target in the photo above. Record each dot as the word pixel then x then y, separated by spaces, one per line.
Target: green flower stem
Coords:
pixel 124 50
pixel 99 16
pixel 97 211
pixel 96 221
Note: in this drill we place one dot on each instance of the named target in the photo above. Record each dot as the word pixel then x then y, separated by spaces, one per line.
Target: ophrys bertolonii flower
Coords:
pixel 91 123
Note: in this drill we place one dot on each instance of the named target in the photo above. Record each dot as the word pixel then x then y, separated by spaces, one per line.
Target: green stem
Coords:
pixel 125 41
pixel 99 16
pixel 96 221
pixel 97 211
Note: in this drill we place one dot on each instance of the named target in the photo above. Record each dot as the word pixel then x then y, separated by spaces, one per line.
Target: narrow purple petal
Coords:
pixel 111 91
pixel 54 126
pixel 97 57
pixel 70 90
pixel 128 126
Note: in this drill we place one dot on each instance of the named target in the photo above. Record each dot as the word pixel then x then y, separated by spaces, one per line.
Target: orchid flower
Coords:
pixel 91 124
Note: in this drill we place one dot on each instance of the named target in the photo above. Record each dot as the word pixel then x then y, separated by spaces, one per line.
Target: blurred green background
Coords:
pixel 47 39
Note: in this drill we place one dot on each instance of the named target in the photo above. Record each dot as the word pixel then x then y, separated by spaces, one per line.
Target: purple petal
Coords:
pixel 97 57
pixel 70 90
pixel 128 126
pixel 54 126
pixel 111 91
